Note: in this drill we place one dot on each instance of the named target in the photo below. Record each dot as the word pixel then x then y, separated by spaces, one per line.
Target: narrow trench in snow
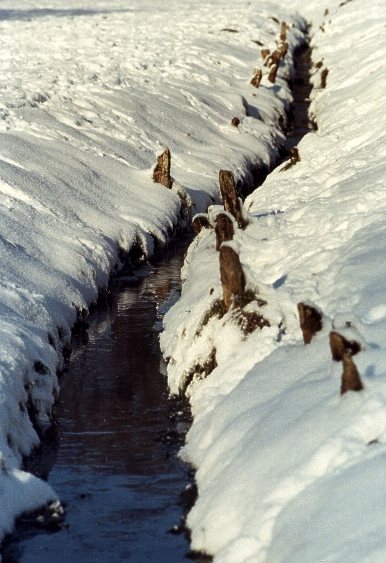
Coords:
pixel 116 467
pixel 300 123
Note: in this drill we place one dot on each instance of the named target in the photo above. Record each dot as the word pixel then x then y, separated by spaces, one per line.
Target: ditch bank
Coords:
pixel 79 330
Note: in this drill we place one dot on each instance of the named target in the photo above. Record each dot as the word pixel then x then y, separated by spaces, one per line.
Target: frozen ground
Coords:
pixel 287 469
pixel 89 91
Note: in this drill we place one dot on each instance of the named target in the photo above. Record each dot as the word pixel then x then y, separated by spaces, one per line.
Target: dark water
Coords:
pixel 299 122
pixel 116 468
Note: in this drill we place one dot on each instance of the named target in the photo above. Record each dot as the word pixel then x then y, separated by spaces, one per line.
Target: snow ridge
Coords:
pixel 287 469
pixel 89 93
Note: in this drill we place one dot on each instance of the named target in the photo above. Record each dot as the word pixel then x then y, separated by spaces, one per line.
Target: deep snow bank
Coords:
pixel 287 469
pixel 89 92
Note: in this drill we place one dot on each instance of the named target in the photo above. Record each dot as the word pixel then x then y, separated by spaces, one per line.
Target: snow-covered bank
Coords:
pixel 287 469
pixel 88 93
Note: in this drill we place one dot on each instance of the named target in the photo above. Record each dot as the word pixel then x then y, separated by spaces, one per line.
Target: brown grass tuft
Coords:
pixel 256 78
pixel 272 73
pixel 200 222
pixel 310 321
pixel 232 276
pixel 224 229
pixel 231 202
pixel 350 376
pixel 340 346
pixel 323 78
pixel 161 172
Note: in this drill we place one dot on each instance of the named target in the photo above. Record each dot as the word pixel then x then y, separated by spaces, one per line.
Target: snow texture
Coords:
pixel 288 470
pixel 89 93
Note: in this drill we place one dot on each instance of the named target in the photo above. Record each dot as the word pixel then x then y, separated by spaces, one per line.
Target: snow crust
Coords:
pixel 287 469
pixel 90 92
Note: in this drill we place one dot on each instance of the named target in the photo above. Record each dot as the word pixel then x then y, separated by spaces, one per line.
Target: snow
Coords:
pixel 287 469
pixel 90 93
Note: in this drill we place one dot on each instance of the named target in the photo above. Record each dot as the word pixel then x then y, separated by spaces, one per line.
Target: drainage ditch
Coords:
pixel 115 464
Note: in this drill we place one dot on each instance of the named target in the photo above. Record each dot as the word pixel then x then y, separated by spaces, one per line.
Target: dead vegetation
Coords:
pixel 216 310
pixel 232 276
pixel 351 380
pixel 310 321
pixel 250 321
pixel 272 73
pixel 323 78
pixel 161 171
pixel 232 204
pixel 199 371
pixel 294 155
pixel 224 229
pixel 342 350
pixel 340 346
pixel 200 221
pixel 256 78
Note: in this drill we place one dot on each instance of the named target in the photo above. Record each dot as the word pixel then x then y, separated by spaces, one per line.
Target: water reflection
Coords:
pixel 119 480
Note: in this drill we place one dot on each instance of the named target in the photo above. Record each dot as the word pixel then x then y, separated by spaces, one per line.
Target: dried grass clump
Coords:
pixel 340 346
pixel 217 310
pixel 161 171
pixel 200 221
pixel 342 350
pixel 232 276
pixel 264 54
pixel 294 158
pixel 283 31
pixel 224 229
pixel 272 73
pixel 231 202
pixel 256 78
pixel 250 321
pixel 323 78
pixel 199 371
pixel 351 380
pixel 310 321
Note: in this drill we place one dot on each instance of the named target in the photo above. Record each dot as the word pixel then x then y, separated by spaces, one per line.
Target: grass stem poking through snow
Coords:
pixel 161 172
pixel 231 202
pixel 224 229
pixel 232 276
pixel 310 321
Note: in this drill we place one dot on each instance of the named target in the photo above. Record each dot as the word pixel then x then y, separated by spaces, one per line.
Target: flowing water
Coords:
pixel 116 468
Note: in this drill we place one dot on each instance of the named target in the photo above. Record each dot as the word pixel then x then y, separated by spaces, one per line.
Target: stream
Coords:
pixel 116 469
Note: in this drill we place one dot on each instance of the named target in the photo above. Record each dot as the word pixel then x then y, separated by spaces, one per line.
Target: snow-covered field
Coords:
pixel 89 92
pixel 288 470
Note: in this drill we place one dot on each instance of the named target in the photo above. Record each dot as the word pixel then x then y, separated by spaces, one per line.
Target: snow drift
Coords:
pixel 89 93
pixel 287 468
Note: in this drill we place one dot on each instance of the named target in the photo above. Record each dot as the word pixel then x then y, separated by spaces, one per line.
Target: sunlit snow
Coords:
pixel 287 469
